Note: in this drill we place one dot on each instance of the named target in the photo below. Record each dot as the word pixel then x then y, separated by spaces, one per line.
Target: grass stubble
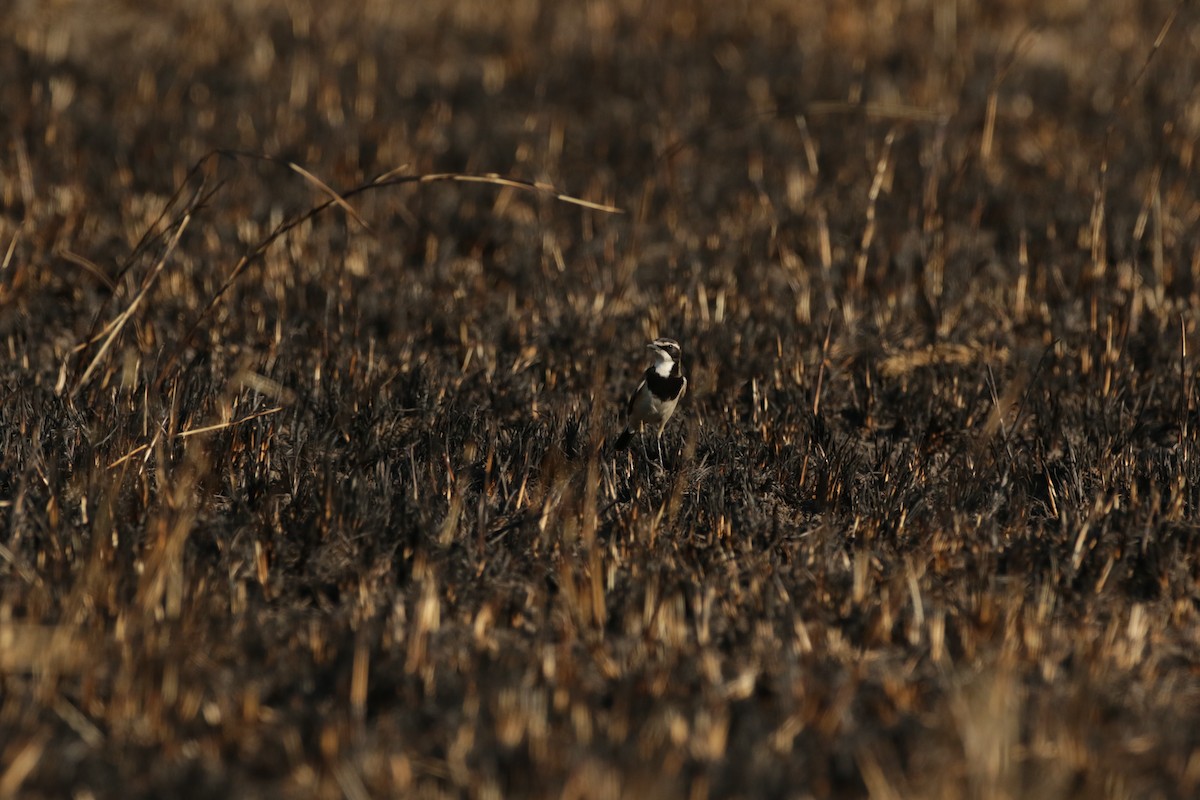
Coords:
pixel 317 503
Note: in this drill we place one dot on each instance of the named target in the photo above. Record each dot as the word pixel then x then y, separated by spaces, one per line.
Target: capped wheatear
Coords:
pixel 655 399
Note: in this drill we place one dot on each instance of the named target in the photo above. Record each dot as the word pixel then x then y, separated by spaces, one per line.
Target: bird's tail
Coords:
pixel 624 439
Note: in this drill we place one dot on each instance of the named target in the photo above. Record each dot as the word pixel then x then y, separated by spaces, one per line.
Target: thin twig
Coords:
pixel 222 425
pixel 334 196
pixel 390 178
pixel 118 323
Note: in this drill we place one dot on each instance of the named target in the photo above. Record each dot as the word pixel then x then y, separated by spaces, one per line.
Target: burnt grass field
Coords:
pixel 306 484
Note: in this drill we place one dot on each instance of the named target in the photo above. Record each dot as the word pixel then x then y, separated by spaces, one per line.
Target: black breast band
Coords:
pixel 667 388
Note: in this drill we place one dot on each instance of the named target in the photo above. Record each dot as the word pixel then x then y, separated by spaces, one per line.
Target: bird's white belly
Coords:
pixel 649 410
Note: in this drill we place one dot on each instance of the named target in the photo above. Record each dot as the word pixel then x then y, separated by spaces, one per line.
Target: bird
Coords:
pixel 656 397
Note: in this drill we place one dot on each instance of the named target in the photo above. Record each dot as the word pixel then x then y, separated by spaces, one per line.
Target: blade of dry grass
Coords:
pixel 114 328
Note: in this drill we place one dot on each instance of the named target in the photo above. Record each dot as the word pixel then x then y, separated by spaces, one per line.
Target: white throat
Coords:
pixel 663 364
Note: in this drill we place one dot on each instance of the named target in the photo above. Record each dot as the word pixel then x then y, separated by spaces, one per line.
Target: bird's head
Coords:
pixel 666 351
